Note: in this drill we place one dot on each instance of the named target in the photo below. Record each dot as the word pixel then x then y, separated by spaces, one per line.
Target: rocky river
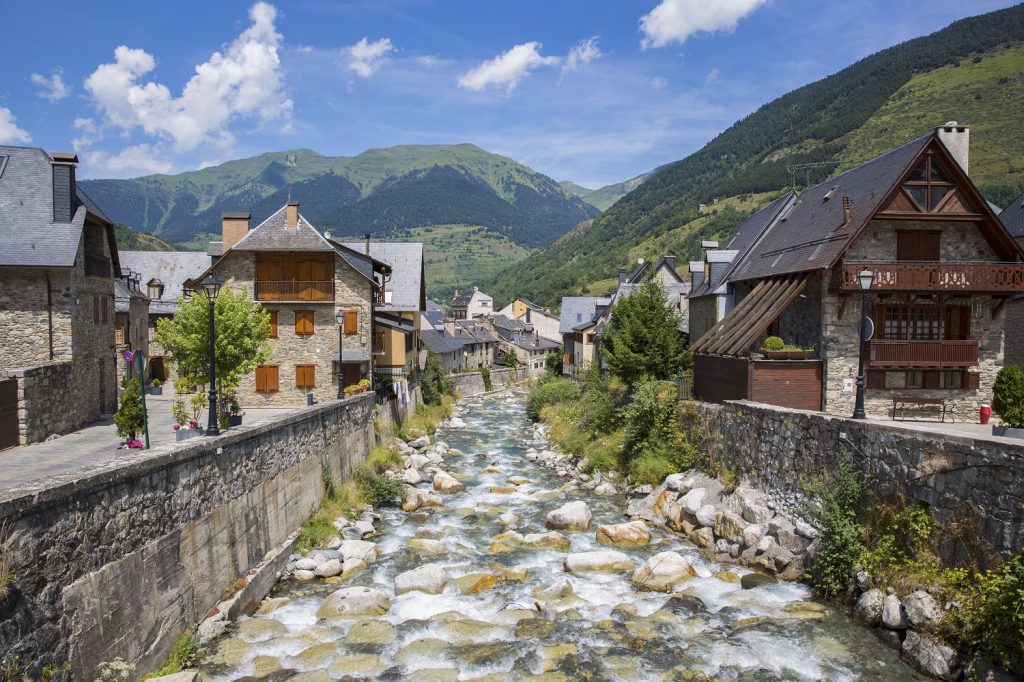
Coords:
pixel 480 589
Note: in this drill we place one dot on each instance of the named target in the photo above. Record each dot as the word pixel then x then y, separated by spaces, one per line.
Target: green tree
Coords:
pixel 509 359
pixel 553 363
pixel 242 328
pixel 128 418
pixel 1008 396
pixel 434 383
pixel 642 340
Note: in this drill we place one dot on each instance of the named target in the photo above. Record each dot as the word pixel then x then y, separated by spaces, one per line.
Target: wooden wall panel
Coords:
pixel 795 384
pixel 717 378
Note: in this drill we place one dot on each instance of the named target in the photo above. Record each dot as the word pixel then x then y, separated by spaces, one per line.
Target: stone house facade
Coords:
pixel 540 318
pixel 943 269
pixel 57 271
pixel 131 323
pixel 1012 218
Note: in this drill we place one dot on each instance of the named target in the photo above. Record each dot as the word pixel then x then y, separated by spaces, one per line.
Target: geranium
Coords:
pixel 176 426
pixel 134 444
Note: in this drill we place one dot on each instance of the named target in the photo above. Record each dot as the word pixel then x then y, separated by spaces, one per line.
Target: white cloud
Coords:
pixel 243 80
pixel 659 83
pixel 582 53
pixel 140 159
pixel 365 57
pixel 673 21
pixel 53 88
pixel 10 133
pixel 712 76
pixel 508 68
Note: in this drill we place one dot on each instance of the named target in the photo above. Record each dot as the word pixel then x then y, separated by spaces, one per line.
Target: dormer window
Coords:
pixel 155 289
pixel 928 185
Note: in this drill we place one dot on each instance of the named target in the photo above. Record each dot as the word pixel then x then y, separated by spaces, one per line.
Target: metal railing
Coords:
pixel 936 276
pixel 904 354
pixel 97 265
pixel 295 290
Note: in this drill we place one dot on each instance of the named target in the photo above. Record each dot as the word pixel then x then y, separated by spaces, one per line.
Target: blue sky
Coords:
pixel 595 91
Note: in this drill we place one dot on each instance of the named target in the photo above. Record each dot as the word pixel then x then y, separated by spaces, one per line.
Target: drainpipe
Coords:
pixel 49 314
pixel 373 311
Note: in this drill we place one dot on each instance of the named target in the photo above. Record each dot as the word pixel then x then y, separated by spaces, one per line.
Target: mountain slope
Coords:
pixel 603 197
pixel 815 123
pixel 381 189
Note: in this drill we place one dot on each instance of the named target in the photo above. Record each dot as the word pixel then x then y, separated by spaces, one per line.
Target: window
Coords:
pixel 928 186
pixel 408 342
pixel 3 164
pixel 923 380
pixel 378 342
pixel 305 376
pixel 267 379
pixel 273 324
pixel 915 380
pixel 919 245
pixel 923 322
pixel 304 322
pixel 351 322
pixel 952 379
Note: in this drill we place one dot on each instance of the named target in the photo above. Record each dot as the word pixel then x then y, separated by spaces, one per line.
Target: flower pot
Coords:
pixel 185 434
pixel 788 354
pixel 234 420
pixel 986 413
pixel 155 390
pixel 1008 432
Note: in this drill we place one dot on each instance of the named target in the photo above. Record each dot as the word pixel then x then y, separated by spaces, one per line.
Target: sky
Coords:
pixel 593 91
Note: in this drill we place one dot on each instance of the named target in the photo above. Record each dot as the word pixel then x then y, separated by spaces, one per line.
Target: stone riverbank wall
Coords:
pixel 783 451
pixel 120 560
pixel 472 383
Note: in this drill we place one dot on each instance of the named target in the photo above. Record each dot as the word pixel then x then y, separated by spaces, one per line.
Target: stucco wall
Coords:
pixel 122 559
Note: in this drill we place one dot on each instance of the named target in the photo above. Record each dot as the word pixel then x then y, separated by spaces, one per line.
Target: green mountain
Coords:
pixel 603 198
pixel 129 240
pixel 381 190
pixel 970 72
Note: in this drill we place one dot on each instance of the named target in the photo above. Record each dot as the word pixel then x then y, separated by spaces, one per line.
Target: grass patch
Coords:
pixel 382 458
pixel 7 576
pixel 183 655
pixel 343 499
pixel 427 418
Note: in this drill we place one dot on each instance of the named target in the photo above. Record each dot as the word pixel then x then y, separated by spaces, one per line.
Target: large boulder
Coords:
pixel 693 500
pixel 570 516
pixel 653 508
pixel 894 616
pixel 355 601
pixel 417 498
pixel 729 525
pixel 600 560
pixel 931 657
pixel 412 476
pixel 629 534
pixel 429 578
pixel 419 443
pixel 561 588
pixel 549 540
pixel 366 552
pixel 869 606
pixel 921 609
pixel 663 572
pixel 328 569
pixel 754 505
pixel 446 483
pixel 706 515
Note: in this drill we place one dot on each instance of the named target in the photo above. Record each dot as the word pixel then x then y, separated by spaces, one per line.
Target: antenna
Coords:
pixel 290 163
pixel 807 168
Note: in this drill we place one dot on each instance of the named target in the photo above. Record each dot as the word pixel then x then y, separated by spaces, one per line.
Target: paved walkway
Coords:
pixel 975 431
pixel 96 443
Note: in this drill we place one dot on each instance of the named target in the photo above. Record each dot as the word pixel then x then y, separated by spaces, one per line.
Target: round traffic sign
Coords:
pixel 128 356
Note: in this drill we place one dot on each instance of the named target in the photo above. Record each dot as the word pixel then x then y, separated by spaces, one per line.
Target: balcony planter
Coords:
pixel 1008 432
pixel 788 354
pixel 155 390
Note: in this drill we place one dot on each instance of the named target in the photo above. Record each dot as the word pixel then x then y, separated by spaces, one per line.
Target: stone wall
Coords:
pixel 1014 333
pixel 783 451
pixel 472 383
pixel 390 414
pixel 703 315
pixel 122 559
pixel 45 405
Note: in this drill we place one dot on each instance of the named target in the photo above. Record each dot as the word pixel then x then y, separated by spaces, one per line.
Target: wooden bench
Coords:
pixel 923 406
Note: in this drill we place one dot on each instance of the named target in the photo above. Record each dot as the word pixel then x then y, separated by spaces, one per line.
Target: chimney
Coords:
pixel 65 198
pixel 708 245
pixel 957 140
pixel 291 215
pixel 366 239
pixel 670 261
pixel 696 273
pixel 233 226
pixel 846 210
pixel 622 276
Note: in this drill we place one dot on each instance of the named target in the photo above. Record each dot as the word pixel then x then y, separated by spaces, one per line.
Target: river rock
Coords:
pixel 606 489
pixel 751 534
pixel 446 483
pixel 729 525
pixel 894 616
pixel 455 423
pixel 869 606
pixel 806 529
pixel 600 560
pixel 426 545
pixel 630 534
pixel 550 540
pixel 354 601
pixel 751 580
pixel 534 628
pixel 518 480
pixel 663 572
pixel 371 632
pixel 570 516
pixel 303 575
pixel 416 461
pixel 508 520
pixel 476 583
pixel 412 476
pixel 419 443
pixel 351 567
pixel 921 609
pixel 550 656
pixel 706 515
pixel 365 528
pixel 684 605
pixel 429 578
pixel 363 665
pixel 328 569
pixel 366 552
pixel 305 564
pixel 931 657
pixel 754 505
pixel 560 588
pixel 654 507
pixel 427 648
pixel 693 500
pixel 490 469
pixel 703 538
pixel 258 629
pixel 416 498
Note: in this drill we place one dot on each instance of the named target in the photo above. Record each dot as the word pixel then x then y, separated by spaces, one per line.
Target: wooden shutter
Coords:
pixel 261 379
pixel 917 245
pixel 932 380
pixel 304 322
pixel 351 322
pixel 305 376
pixel 267 379
pixel 273 324
pixel 970 380
pixel 876 379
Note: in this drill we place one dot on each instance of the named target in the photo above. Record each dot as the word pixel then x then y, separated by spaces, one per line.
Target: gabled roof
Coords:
pixel 753 226
pixel 363 264
pixel 124 295
pixel 435 318
pixel 529 342
pixel 473 330
pixel 531 305
pixel 406 286
pixel 439 341
pixel 273 235
pixel 580 312
pixel 669 265
pixel 463 299
pixel 172 268
pixel 1013 217
pixel 501 322
pixel 638 271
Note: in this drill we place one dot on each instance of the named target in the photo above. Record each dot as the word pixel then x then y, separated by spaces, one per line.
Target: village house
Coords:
pixel 677 288
pixel 434 338
pixel 578 326
pixel 473 304
pixel 319 295
pixel 58 265
pixel 131 320
pixel 544 322
pixel 940 265
pixel 522 341
pixel 1012 218
pixel 479 346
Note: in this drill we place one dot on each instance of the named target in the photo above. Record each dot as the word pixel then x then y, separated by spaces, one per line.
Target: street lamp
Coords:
pixel 341 344
pixel 211 287
pixel 864 280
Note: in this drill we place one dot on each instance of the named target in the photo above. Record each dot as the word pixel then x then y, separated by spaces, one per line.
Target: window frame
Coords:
pixel 302 381
pixel 265 370
pixel 306 315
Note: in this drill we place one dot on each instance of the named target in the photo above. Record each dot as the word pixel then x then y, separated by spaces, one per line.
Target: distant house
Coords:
pixel 58 264
pixel 447 349
pixel 479 346
pixel 544 322
pixel 524 342
pixel 473 304
pixel 578 327
pixel 131 322
pixel 1012 218
pixel 676 286
pixel 942 265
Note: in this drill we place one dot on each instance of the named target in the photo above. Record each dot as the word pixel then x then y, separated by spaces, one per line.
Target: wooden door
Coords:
pixel 8 413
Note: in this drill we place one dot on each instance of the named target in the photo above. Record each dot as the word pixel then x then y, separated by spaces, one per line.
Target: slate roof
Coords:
pixel 28 233
pixel 272 235
pixel 439 342
pixel 580 310
pixel 123 296
pixel 463 299
pixel 433 305
pixel 475 332
pixel 755 224
pixel 1013 217
pixel 170 267
pixel 406 285
pixel 530 341
pixel 435 318
pixel 507 323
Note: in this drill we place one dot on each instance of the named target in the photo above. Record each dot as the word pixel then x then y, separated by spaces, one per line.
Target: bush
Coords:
pixel 433 382
pixel 553 363
pixel 183 655
pixel 128 418
pixel 1008 396
pixel 378 489
pixel 650 420
pixel 550 393
pixel 382 459
pixel 841 548
pixel 486 373
pixel 773 343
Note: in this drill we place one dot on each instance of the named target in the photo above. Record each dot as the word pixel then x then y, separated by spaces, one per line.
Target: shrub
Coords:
pixel 549 393
pixel 841 548
pixel 128 418
pixel 433 382
pixel 773 343
pixel 382 459
pixel 898 543
pixel 378 489
pixel 183 655
pixel 486 373
pixel 1008 396
pixel 553 363
pixel 650 420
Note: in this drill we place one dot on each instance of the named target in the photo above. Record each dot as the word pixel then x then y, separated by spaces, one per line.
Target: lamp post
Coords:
pixel 341 344
pixel 864 279
pixel 211 287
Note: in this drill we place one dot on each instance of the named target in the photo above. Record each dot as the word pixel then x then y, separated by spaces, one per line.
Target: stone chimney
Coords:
pixel 291 215
pixel 65 198
pixel 622 276
pixel 366 239
pixel 696 273
pixel 670 261
pixel 957 139
pixel 233 226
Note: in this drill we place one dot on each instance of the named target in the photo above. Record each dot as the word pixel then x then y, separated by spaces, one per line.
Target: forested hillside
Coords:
pixel 843 118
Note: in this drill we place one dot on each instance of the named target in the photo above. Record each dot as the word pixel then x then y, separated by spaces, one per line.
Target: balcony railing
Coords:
pixel 97 265
pixel 934 276
pixel 294 291
pixel 913 354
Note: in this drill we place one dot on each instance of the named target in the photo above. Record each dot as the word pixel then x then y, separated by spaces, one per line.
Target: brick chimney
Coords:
pixel 291 215
pixel 65 198
pixel 957 139
pixel 233 226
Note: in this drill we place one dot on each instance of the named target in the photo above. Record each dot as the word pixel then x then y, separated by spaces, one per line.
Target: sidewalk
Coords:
pixel 98 442
pixel 963 430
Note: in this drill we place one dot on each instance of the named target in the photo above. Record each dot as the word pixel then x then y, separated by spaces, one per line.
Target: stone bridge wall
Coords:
pixel 47 401
pixel 783 451
pixel 118 561
pixel 472 383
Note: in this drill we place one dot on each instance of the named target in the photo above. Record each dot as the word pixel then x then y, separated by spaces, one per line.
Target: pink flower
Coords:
pixel 176 426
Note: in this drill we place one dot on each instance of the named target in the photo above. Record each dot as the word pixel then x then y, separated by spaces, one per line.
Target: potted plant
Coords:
pixel 235 414
pixel 365 385
pixel 1008 402
pixel 155 387
pixel 351 390
pixel 774 348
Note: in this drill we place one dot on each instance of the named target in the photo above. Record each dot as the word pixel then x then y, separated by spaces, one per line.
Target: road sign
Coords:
pixel 128 356
pixel 869 329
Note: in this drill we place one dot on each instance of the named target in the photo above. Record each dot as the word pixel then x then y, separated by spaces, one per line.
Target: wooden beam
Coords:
pixel 842 306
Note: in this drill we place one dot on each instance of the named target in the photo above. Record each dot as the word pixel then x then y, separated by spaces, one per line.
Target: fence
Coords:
pixel 684 384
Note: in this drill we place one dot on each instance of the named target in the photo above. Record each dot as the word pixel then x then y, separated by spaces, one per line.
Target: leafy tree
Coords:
pixel 509 359
pixel 242 328
pixel 128 418
pixel 642 340
pixel 553 363
pixel 1008 396
pixel 433 382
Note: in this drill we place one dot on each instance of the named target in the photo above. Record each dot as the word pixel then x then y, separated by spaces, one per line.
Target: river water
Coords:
pixel 606 630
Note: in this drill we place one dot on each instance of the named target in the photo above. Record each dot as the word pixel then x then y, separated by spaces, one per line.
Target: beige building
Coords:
pixel 473 304
pixel 58 263
pixel 578 326
pixel 544 322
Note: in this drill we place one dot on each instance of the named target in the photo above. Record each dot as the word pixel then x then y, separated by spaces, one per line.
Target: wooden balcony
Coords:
pixel 97 265
pixel 936 276
pixel 295 290
pixel 920 354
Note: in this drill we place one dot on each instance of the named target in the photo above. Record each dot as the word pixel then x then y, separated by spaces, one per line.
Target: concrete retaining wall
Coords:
pixel 783 451
pixel 472 383
pixel 119 560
